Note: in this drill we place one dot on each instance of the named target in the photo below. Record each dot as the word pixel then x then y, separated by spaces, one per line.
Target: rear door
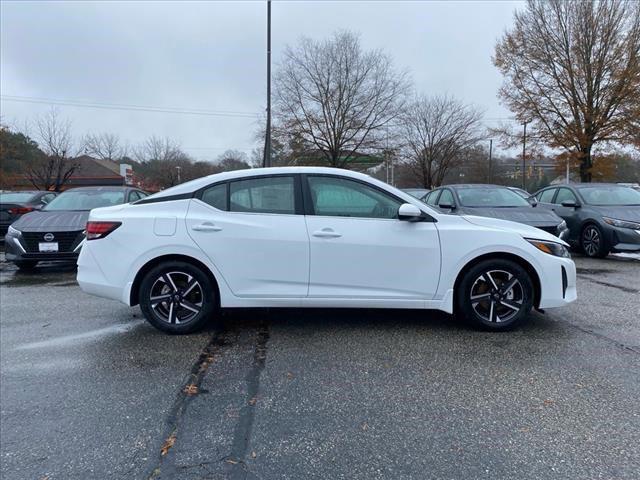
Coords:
pixel 359 247
pixel 253 230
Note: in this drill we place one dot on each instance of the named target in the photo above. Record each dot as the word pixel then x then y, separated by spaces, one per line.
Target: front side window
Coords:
pixel 263 195
pixel 565 194
pixel 340 197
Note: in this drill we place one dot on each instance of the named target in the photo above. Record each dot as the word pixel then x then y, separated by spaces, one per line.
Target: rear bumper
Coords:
pixel 92 279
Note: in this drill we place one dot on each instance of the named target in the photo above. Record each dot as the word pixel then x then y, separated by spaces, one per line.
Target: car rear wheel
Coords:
pixel 177 297
pixel 592 242
pixel 495 295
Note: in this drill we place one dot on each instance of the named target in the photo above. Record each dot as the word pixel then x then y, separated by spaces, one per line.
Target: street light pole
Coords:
pixel 524 149
pixel 490 152
pixel 267 146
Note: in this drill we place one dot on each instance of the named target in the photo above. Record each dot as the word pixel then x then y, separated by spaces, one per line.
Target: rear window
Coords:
pixel 85 200
pixel 19 197
pixel 262 195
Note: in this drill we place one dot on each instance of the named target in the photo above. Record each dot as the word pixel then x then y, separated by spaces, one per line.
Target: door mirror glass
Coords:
pixel 410 213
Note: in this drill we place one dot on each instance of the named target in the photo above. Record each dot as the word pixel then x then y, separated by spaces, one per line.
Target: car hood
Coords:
pixel 55 221
pixel 521 229
pixel 630 213
pixel 536 217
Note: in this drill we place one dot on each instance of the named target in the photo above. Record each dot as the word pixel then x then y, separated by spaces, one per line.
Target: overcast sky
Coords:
pixel 211 56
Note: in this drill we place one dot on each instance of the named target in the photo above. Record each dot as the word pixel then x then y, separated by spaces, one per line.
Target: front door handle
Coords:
pixel 206 227
pixel 326 233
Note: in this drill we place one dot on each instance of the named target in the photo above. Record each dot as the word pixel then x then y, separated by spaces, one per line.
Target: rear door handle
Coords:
pixel 206 227
pixel 326 233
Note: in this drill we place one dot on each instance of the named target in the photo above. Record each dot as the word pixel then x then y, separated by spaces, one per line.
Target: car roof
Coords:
pixel 193 185
pixel 472 185
pixel 115 188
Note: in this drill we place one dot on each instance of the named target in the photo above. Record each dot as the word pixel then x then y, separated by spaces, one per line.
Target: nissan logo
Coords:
pixel 48 237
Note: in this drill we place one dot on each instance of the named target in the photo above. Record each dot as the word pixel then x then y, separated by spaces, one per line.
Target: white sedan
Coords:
pixel 315 237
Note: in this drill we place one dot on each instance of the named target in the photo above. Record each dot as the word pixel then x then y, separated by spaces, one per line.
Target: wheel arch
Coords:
pixel 135 287
pixel 535 278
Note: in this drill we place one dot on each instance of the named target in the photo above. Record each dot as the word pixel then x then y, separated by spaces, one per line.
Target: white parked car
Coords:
pixel 315 237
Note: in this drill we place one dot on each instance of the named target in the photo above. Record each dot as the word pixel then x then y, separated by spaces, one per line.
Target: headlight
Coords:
pixel 552 248
pixel 621 223
pixel 13 231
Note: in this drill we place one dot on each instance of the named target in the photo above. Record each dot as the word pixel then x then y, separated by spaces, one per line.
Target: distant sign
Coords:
pixel 127 172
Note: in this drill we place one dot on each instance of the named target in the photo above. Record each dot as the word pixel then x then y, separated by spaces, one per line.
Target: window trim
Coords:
pixel 308 201
pixel 297 193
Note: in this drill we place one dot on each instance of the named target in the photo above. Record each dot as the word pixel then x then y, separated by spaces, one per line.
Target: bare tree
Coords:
pixel 53 171
pixel 158 148
pixel 572 69
pixel 436 133
pixel 233 160
pixel 336 99
pixel 105 146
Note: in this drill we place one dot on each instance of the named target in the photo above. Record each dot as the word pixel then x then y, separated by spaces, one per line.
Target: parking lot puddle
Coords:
pixel 58 342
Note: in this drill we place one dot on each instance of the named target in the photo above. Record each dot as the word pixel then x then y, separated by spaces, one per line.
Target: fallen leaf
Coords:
pixel 191 389
pixel 365 426
pixel 168 443
pixel 290 375
pixel 548 402
pixel 231 461
pixel 253 401
pixel 253 455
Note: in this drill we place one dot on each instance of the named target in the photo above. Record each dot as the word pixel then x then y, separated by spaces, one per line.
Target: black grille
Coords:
pixel 66 240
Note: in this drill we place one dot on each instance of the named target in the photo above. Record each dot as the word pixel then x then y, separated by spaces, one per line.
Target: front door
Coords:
pixel 359 247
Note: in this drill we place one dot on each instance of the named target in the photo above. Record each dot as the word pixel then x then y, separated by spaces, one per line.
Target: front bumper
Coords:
pixel 558 286
pixel 624 239
pixel 16 250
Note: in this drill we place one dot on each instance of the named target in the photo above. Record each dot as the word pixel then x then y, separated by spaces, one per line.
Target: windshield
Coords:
pixel 16 197
pixel 610 195
pixel 85 200
pixel 490 197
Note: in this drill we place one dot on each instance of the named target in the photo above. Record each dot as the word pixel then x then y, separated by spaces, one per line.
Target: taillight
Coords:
pixel 20 210
pixel 97 230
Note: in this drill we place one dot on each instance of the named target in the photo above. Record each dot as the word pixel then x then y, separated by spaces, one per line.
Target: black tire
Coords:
pixel 592 241
pixel 172 310
pixel 26 265
pixel 482 305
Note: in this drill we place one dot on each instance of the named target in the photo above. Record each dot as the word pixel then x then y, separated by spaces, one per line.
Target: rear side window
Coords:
pixel 446 197
pixel 263 195
pixel 432 197
pixel 546 196
pixel 216 196
pixel 565 194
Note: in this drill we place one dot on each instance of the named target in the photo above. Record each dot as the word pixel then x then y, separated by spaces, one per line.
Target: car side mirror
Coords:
pixel 410 213
pixel 447 206
pixel 570 204
pixel 533 201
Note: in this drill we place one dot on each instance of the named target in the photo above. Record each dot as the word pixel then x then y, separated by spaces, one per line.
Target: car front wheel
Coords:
pixel 495 295
pixel 177 297
pixel 592 242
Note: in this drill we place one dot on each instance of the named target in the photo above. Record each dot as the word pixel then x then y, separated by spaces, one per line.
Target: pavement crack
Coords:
pixel 163 459
pixel 242 435
pixel 607 284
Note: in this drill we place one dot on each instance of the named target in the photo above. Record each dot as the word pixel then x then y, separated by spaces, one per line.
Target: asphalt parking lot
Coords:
pixel 90 391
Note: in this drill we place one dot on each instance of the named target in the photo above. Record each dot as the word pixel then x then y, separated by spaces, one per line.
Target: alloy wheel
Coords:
pixel 497 296
pixel 176 297
pixel 591 241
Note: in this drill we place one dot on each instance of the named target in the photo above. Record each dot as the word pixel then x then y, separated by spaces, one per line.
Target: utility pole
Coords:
pixel 178 169
pixel 267 140
pixel 490 152
pixel 524 150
